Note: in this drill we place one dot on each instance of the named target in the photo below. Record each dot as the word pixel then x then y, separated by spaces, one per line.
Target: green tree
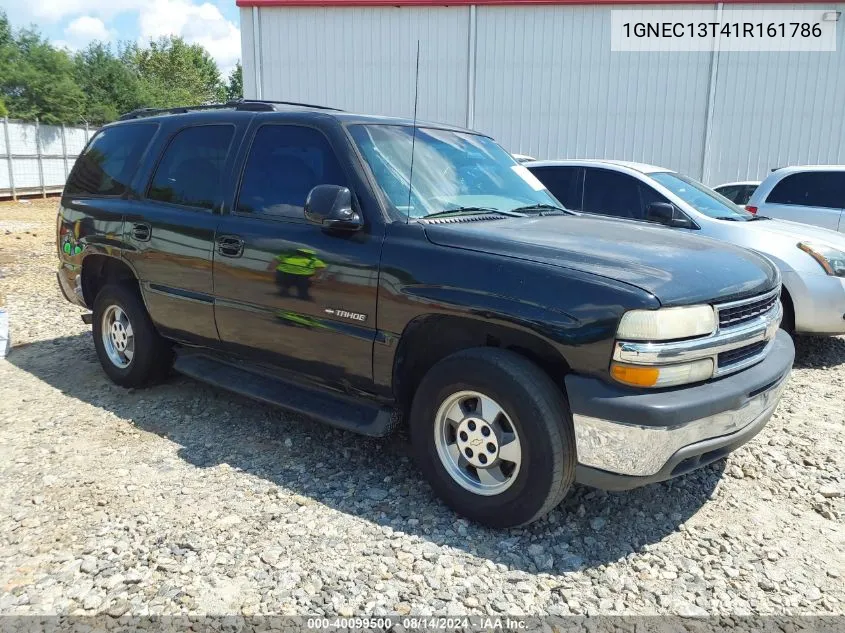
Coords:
pixel 36 79
pixel 173 72
pixel 111 86
pixel 5 30
pixel 235 85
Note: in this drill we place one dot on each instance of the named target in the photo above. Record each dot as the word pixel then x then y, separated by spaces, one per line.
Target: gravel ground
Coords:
pixel 184 499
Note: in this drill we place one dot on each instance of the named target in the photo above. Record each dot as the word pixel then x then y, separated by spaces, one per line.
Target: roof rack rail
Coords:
pixel 291 103
pixel 142 112
pixel 250 105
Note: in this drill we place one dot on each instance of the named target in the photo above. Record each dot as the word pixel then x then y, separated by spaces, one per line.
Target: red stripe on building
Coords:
pixel 453 3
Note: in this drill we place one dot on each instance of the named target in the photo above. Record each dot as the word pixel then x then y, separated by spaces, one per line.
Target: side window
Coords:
pixel 811 189
pixel 731 193
pixel 191 169
pixel 613 193
pixel 564 183
pixel 647 196
pixel 285 162
pixel 745 194
pixel 107 165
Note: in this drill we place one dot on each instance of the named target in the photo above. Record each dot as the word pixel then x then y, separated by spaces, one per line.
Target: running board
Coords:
pixel 326 406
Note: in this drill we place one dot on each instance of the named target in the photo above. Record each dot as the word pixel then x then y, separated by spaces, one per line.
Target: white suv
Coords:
pixel 811 194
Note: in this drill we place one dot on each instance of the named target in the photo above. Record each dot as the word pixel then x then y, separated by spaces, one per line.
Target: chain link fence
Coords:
pixel 35 159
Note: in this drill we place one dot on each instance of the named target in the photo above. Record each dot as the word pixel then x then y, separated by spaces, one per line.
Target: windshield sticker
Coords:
pixel 528 177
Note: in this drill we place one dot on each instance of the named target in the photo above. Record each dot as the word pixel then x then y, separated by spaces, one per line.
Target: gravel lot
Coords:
pixel 184 499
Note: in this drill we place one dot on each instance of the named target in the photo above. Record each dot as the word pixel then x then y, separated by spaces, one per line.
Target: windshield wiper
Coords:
pixel 759 217
pixel 541 208
pixel 729 218
pixel 468 210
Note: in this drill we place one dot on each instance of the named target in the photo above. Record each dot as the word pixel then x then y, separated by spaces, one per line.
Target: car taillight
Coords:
pixel 752 210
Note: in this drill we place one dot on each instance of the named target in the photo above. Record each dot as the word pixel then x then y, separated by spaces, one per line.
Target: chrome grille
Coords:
pixel 734 356
pixel 739 312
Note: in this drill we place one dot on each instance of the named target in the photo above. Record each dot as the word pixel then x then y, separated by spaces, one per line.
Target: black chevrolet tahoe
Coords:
pixel 371 272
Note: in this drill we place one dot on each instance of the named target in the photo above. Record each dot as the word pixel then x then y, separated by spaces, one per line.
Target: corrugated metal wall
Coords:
pixel 363 59
pixel 777 109
pixel 41 156
pixel 547 84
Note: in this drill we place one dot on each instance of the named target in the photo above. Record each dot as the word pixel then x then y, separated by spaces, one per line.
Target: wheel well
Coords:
pixel 428 340
pixel 99 270
pixel 788 310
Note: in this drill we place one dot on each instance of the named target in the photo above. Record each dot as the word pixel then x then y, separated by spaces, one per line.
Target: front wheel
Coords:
pixel 131 351
pixel 493 435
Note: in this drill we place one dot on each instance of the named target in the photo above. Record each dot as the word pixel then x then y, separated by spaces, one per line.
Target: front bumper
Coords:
pixel 819 302
pixel 627 438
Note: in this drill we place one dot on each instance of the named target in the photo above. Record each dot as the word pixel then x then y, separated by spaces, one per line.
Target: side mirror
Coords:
pixel 666 214
pixel 330 206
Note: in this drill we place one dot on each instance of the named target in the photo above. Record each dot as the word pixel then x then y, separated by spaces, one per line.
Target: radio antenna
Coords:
pixel 414 135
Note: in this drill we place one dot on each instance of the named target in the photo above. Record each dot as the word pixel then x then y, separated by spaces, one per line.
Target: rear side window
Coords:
pixel 564 183
pixel 191 169
pixel 285 162
pixel 811 189
pixel 107 165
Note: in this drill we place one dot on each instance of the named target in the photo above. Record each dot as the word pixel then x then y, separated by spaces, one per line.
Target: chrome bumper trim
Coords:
pixel 761 328
pixel 642 451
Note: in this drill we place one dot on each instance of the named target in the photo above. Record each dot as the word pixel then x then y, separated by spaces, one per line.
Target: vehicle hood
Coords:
pixel 677 269
pixel 800 232
pixel 778 240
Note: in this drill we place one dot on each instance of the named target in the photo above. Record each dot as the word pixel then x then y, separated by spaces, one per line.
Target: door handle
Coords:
pixel 142 231
pixel 230 246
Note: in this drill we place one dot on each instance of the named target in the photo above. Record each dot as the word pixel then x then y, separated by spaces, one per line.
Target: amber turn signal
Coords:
pixel 634 375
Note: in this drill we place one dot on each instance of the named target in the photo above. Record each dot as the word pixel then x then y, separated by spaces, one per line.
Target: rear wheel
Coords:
pixel 493 436
pixel 130 350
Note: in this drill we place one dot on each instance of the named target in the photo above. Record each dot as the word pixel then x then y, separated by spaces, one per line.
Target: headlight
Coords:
pixel 831 259
pixel 667 324
pixel 662 376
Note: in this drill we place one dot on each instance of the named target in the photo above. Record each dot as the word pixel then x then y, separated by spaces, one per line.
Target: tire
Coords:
pixel 151 355
pixel 536 412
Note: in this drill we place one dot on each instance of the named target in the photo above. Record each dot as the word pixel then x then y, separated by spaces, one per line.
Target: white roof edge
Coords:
pixel 794 168
pixel 738 182
pixel 644 168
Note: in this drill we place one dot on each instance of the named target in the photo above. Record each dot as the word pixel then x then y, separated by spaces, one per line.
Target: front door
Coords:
pixel 170 231
pixel 288 293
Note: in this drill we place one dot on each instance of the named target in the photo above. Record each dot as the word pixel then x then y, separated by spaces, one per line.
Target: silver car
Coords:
pixel 811 260
pixel 811 194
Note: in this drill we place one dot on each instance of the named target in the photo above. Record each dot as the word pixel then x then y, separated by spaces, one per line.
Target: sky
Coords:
pixel 73 24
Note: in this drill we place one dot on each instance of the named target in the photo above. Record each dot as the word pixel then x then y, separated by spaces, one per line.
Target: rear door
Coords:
pixel 95 197
pixel 288 293
pixel 170 228
pixel 813 197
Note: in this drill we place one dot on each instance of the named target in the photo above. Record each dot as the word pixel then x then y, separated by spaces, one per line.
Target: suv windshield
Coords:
pixel 452 171
pixel 701 198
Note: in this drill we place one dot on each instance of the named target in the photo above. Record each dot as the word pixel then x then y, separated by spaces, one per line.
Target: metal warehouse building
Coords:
pixel 541 78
